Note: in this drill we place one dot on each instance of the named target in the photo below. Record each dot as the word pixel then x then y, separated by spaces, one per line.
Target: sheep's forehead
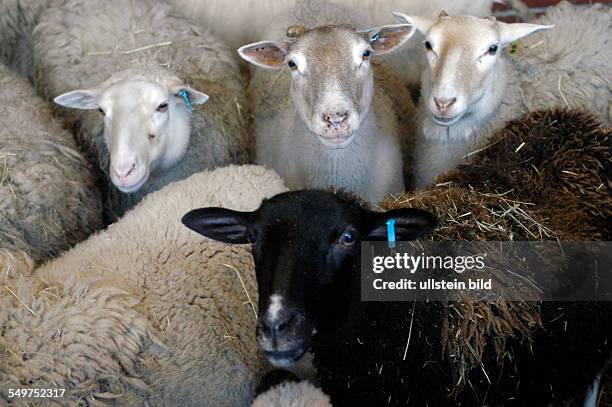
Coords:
pixel 328 46
pixel 463 32
pixel 130 94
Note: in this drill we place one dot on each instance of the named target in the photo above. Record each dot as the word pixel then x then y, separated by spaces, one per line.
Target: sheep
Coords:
pixel 475 84
pixel 292 394
pixel 48 199
pixel 334 117
pixel 141 58
pixel 145 312
pixel 460 353
pixel 17 21
pixel 250 20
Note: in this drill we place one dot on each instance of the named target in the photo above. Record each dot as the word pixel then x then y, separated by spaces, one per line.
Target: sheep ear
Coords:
pixel 79 99
pixel 422 24
pixel 512 32
pixel 220 224
pixel 387 38
pixel 267 54
pixel 409 224
pixel 176 86
pixel 195 96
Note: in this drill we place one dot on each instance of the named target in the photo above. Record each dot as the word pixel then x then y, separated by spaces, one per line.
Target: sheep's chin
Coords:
pixel 446 122
pixel 285 358
pixel 337 142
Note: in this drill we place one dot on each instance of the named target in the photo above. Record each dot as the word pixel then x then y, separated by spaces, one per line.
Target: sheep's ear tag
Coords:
pixel 391 233
pixel 183 93
pixel 513 48
pixel 369 31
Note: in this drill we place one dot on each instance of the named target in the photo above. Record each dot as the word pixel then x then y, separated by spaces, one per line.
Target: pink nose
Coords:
pixel 444 104
pixel 124 170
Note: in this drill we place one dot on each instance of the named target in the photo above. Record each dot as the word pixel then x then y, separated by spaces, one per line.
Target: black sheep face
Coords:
pixel 306 247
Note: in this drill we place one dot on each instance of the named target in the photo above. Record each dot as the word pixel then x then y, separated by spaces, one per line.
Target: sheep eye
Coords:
pixel 292 65
pixel 428 45
pixel 101 111
pixel 347 238
pixel 151 136
pixel 492 50
pixel 162 107
pixel 366 54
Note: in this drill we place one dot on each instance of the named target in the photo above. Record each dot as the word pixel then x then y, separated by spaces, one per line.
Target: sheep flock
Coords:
pixel 190 191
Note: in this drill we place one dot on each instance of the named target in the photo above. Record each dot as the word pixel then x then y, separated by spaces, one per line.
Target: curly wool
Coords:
pixel 48 199
pixel 146 311
pixel 79 44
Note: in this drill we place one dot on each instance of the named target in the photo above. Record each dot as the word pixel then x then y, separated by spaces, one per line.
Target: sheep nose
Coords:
pixel 444 104
pixel 335 118
pixel 124 170
pixel 279 324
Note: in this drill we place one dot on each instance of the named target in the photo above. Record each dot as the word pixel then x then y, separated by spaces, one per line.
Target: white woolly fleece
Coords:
pixel 293 394
pixel 48 198
pixel 146 311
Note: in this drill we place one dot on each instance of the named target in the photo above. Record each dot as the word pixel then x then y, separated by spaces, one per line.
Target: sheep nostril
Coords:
pixel 335 118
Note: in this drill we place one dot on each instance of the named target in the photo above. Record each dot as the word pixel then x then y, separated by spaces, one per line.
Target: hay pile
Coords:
pixel 546 176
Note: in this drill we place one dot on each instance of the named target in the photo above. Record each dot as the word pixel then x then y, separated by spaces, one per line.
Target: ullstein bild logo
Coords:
pixel 447 271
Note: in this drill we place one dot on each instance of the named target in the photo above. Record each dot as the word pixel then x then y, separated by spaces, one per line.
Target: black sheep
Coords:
pixel 306 247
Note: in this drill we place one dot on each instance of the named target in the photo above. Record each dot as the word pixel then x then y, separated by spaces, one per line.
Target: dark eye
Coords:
pixel 428 45
pixel 492 50
pixel 292 65
pixel 347 238
pixel 162 107
pixel 366 54
pixel 101 111
pixel 151 136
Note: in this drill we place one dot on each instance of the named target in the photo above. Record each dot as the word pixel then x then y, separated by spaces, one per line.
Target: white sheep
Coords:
pixel 293 394
pixel 146 312
pixel 329 115
pixel 249 20
pixel 474 85
pixel 48 197
pixel 145 65
pixel 17 20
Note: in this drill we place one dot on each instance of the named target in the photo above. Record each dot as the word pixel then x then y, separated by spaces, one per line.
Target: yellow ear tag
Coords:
pixel 513 48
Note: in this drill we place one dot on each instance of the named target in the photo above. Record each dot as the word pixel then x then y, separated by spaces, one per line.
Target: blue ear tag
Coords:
pixel 391 233
pixel 183 93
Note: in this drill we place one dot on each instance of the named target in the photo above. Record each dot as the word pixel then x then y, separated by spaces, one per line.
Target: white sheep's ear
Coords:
pixel 178 87
pixel 422 24
pixel 266 54
pixel 408 224
pixel 195 96
pixel 79 99
pixel 223 225
pixel 514 31
pixel 388 38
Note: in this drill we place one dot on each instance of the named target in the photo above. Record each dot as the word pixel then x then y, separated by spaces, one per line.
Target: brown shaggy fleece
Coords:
pixel 546 176
pixel 559 160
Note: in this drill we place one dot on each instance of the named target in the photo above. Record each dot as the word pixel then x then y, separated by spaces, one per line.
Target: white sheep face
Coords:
pixel 464 53
pixel 146 125
pixel 331 74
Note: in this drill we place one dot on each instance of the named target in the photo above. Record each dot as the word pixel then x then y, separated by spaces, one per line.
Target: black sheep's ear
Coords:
pixel 224 225
pixel 409 224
